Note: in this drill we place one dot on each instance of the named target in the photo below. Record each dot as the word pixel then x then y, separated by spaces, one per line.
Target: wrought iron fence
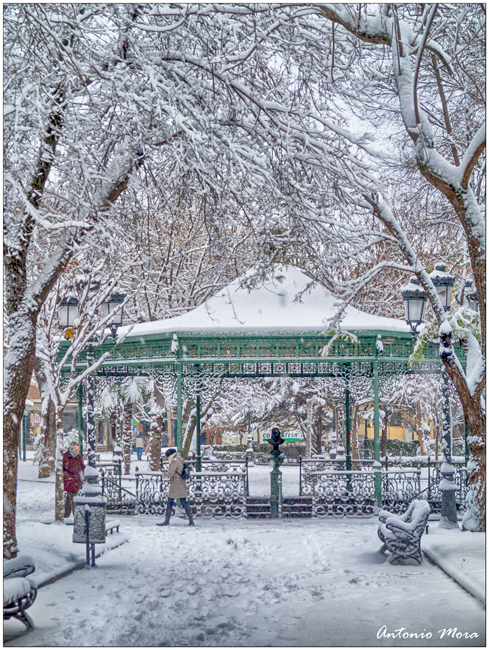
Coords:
pixel 217 466
pixel 211 494
pixel 341 493
pixel 120 500
pixel 309 465
pixel 399 488
pixel 221 489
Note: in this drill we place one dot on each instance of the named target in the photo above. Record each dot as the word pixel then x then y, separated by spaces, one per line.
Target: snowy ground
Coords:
pixel 237 583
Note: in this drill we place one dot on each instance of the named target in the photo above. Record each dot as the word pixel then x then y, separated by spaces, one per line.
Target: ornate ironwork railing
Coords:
pixel 352 493
pixel 341 493
pixel 399 488
pixel 211 494
pixel 221 489
pixel 214 494
pixel 120 500
pixel 309 465
pixel 218 466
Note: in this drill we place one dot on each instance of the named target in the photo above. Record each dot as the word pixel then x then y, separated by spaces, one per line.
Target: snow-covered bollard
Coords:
pixel 448 488
pixel 117 455
pixel 340 457
pixel 90 528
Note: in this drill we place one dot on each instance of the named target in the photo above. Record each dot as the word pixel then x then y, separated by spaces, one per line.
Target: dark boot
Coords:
pixel 169 508
pixel 189 515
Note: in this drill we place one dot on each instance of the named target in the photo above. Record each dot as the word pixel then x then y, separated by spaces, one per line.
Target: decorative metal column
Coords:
pixel 348 426
pixel 197 426
pixel 178 427
pixel 90 399
pixel 276 475
pixel 377 465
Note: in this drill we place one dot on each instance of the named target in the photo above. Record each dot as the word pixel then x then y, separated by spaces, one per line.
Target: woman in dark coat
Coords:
pixel 178 488
pixel 73 467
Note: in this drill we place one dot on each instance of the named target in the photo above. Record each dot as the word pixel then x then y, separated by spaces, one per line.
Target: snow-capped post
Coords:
pixel 447 486
pixel 276 475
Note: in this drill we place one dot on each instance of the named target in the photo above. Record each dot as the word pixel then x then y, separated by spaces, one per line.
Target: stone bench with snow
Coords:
pixel 401 534
pixel 110 526
pixel 19 591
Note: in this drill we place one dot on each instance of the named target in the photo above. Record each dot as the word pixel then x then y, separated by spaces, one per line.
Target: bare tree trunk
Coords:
pixel 112 429
pixel 127 438
pixel 48 424
pixel 437 426
pixel 156 430
pixel 19 364
pixel 190 420
pixel 419 426
pixel 169 418
pixel 309 431
pixel 474 518
pixel 48 445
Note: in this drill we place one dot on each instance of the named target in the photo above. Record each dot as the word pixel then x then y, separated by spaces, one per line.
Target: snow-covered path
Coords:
pixel 233 583
pixel 250 583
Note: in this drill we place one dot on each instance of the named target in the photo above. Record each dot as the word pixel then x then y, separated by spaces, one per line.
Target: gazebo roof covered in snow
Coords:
pixel 269 307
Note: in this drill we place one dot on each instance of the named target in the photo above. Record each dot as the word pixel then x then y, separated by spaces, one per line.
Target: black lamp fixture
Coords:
pixel 414 297
pixel 443 282
pixel 67 314
pixel 114 307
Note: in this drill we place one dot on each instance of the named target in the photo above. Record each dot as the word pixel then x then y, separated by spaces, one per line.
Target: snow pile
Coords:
pixel 461 555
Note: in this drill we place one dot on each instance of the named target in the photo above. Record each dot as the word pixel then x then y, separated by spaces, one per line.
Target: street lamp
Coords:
pixel 414 297
pixel 67 314
pixel 414 300
pixel 114 306
pixel 90 505
pixel 443 282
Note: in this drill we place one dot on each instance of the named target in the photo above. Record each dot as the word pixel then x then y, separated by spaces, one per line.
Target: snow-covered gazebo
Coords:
pixel 275 329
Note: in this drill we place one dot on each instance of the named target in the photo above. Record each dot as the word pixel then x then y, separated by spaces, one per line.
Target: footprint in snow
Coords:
pixel 164 593
pixel 193 589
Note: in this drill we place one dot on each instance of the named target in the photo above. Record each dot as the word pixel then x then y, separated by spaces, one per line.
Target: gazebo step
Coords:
pixel 297 507
pixel 258 507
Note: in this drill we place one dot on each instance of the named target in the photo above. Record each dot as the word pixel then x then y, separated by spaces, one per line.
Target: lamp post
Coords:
pixel 414 302
pixel 90 505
